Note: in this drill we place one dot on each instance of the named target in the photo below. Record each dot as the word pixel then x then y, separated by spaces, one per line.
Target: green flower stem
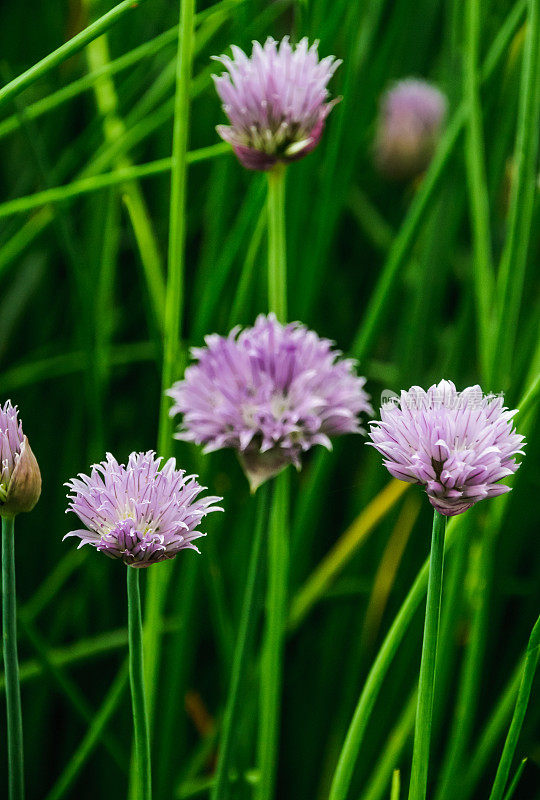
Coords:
pixel 277 253
pixel 65 51
pixel 479 578
pixel 136 677
pixel 278 534
pixel 160 579
pixel 11 663
pixel 426 685
pixel 241 653
pixel 359 724
pixel 274 637
pixel 529 668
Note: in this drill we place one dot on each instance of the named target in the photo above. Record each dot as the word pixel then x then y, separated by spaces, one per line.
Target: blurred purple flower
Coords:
pixel 276 101
pixel 457 444
pixel 410 121
pixel 139 513
pixel 20 479
pixel 271 392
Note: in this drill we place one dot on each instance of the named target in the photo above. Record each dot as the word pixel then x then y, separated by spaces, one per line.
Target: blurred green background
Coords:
pixel 389 270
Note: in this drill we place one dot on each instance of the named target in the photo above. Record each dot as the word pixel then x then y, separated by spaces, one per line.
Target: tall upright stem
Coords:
pixel 274 637
pixel 277 254
pixel 424 708
pixel 248 618
pixel 278 533
pixel 138 700
pixel 11 663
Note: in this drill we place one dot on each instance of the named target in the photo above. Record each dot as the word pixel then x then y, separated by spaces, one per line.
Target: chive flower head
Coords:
pixel 142 512
pixel 411 118
pixel 271 392
pixel 276 101
pixel 459 445
pixel 20 478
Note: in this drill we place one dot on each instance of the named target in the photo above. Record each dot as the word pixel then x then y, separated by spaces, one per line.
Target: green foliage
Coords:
pixel 421 280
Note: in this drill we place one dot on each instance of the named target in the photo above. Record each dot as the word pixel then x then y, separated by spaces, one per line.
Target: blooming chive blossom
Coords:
pixel 410 121
pixel 276 101
pixel 20 479
pixel 138 512
pixel 271 392
pixel 457 444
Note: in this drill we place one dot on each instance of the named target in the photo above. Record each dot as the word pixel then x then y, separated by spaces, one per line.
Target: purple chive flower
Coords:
pixel 457 444
pixel 411 117
pixel 276 101
pixel 138 512
pixel 20 478
pixel 271 392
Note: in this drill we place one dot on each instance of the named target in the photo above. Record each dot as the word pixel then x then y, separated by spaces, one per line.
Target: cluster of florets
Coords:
pixel 271 392
pixel 141 512
pixel 276 101
pixel 459 445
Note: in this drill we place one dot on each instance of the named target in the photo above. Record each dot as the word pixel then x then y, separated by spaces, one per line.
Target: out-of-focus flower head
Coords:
pixel 411 118
pixel 459 445
pixel 20 478
pixel 276 101
pixel 271 392
pixel 138 512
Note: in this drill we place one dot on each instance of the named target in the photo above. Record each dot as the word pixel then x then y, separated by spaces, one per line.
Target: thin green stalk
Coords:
pixel 359 724
pixel 513 786
pixel 532 656
pixel 65 51
pixel 98 182
pixel 426 684
pixel 396 785
pixel 480 573
pixel 136 677
pixel 248 617
pixel 274 638
pixel 93 735
pixel 84 84
pixel 277 252
pixel 11 663
pixel 174 302
pixel 278 535
pixel 477 182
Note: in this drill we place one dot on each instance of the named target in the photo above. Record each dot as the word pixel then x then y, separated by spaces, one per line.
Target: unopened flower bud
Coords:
pixel 20 478
pixel 411 118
